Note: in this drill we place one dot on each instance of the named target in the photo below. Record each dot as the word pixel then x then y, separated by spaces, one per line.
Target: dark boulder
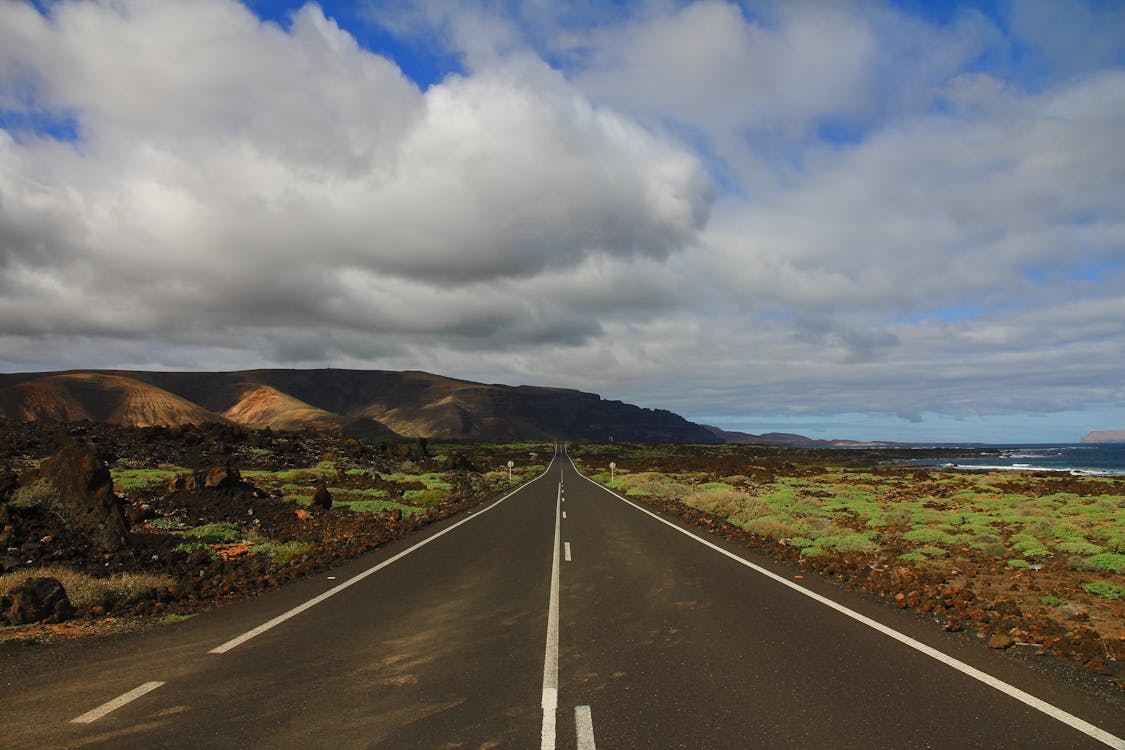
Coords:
pixel 37 600
pixel 322 498
pixel 76 485
pixel 9 481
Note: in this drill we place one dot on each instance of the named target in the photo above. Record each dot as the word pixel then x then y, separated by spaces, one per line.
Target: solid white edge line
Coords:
pixel 116 703
pixel 551 656
pixel 1012 691
pixel 239 640
pixel 584 726
pixel 566 551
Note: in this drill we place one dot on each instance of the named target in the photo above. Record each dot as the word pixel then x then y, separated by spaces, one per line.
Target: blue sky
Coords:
pixel 868 220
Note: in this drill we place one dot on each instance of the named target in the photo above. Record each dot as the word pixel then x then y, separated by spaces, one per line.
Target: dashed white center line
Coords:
pixel 564 514
pixel 584 722
pixel 550 701
pixel 566 551
pixel 116 703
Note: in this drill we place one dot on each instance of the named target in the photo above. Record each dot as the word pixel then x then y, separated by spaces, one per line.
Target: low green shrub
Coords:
pixel 1078 547
pixel 1110 561
pixel 929 535
pixel 1105 589
pixel 215 533
pixel 282 553
pixel 773 527
pixel 844 543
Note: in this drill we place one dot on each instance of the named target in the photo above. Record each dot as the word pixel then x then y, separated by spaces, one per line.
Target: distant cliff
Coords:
pixel 1105 436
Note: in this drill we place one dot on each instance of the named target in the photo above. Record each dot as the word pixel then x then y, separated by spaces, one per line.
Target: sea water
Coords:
pixel 1095 459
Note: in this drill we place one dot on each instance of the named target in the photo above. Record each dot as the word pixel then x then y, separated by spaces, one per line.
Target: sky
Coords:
pixel 865 220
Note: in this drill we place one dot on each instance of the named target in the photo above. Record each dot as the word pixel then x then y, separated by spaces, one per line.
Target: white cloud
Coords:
pixel 242 193
pixel 228 170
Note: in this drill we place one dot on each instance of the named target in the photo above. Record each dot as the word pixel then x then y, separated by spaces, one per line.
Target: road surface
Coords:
pixel 561 616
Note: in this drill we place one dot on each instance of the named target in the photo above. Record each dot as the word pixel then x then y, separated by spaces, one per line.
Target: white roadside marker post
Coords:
pixel 612 467
pixel 510 465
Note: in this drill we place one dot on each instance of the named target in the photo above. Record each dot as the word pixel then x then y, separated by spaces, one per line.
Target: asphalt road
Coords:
pixel 561 616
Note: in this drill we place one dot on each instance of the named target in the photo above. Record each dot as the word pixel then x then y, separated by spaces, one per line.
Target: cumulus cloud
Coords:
pixel 232 171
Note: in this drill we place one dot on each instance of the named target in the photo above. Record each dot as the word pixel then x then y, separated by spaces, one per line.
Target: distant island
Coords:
pixel 1105 436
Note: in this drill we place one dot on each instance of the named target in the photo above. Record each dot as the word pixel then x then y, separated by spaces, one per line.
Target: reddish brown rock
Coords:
pixel 36 600
pixel 75 484
pixel 322 498
pixel 1000 642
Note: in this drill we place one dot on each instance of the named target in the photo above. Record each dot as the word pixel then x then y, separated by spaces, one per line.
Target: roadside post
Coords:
pixel 612 467
pixel 510 465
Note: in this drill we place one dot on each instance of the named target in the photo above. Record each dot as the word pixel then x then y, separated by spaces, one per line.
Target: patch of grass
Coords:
pixel 284 552
pixel 1029 546
pixel 345 492
pixel 215 533
pixel 1052 601
pixel 928 535
pixel 1078 547
pixel 1110 561
pixel 376 506
pixel 774 527
pixel 40 493
pixel 432 480
pixel 426 496
pixel 1114 538
pixel 84 590
pixel 843 543
pixel 173 617
pixel 167 523
pixel 1022 564
pixel 139 479
pixel 1105 589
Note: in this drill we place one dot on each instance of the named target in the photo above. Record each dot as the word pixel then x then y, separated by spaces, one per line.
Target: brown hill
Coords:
pixel 101 397
pixel 368 402
pixel 262 406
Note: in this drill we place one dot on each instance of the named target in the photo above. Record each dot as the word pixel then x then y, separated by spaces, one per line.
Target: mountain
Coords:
pixel 101 397
pixel 769 438
pixel 366 402
pixel 1105 436
pixel 789 440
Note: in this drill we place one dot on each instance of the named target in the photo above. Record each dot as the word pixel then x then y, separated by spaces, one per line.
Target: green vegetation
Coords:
pixel 376 506
pixel 282 553
pixel 1110 561
pixel 215 533
pixel 842 510
pixel 1052 601
pixel 139 479
pixel 1105 589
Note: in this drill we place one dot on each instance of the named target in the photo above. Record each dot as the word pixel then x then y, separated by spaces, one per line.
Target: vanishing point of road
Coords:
pixel 560 616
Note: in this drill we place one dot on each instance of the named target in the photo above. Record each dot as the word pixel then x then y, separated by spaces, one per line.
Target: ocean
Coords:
pixel 1101 459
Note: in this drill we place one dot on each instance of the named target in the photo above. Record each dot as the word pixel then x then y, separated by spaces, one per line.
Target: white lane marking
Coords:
pixel 239 640
pixel 1038 704
pixel 584 723
pixel 564 514
pixel 551 657
pixel 116 703
pixel 566 551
